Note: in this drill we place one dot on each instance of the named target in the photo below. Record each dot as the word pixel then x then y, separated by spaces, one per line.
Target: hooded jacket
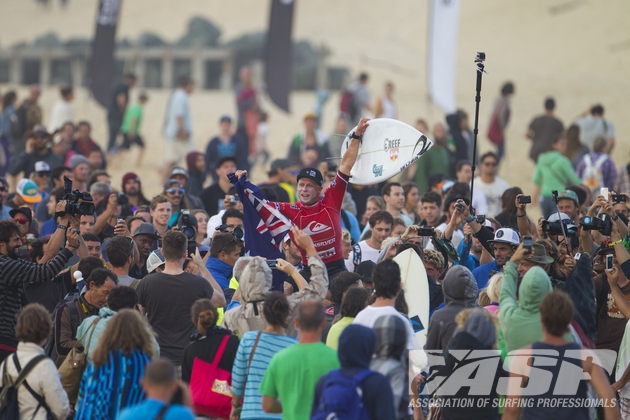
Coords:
pixel 391 359
pixel 255 282
pixel 460 292
pixel 520 321
pixel 356 347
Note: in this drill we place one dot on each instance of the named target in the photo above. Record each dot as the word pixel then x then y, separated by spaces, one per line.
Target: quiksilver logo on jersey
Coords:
pixel 315 227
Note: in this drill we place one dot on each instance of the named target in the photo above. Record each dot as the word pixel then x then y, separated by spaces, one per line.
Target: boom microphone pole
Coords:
pixel 479 59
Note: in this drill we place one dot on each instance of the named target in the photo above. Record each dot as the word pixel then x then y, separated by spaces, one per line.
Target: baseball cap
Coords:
pixel 506 236
pixel 225 118
pixel 39 128
pixel 280 164
pixel 447 185
pixel 24 210
pixel 225 159
pixel 178 170
pixel 571 195
pixel 169 182
pixel 147 229
pixel 27 189
pixel 154 260
pixel 42 166
pixel 312 174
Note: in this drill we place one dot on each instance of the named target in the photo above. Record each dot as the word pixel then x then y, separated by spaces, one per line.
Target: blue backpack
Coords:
pixel 342 397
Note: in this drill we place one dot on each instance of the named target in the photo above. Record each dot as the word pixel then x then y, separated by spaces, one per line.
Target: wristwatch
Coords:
pixel 354 136
pixel 470 219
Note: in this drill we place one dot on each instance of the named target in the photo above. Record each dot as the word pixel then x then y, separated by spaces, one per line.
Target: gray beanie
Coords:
pixel 481 327
pixel 76 160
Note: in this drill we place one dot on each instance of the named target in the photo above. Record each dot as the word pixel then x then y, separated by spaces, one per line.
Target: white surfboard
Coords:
pixel 388 147
pixel 416 286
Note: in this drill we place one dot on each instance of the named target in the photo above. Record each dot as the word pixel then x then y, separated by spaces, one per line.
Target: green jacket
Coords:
pixel 554 172
pixel 520 321
pixel 434 161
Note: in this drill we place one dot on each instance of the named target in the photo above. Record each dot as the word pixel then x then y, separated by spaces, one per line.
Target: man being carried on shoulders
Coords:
pixel 317 214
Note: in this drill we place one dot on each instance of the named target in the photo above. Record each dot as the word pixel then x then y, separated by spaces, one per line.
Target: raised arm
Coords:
pixel 218 298
pixel 522 221
pixel 350 157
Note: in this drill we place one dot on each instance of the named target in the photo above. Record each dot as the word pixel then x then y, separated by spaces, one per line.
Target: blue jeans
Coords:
pixel 547 206
pixel 501 150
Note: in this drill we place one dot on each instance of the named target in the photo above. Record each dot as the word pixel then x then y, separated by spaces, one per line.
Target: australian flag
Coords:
pixel 265 227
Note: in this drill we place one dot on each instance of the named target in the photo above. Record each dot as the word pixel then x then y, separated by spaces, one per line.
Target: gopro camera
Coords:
pixel 528 243
pixel 459 207
pixel 233 200
pixel 618 198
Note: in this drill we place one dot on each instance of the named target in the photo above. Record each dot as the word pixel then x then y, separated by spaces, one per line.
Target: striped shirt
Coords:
pixel 13 274
pixel 268 346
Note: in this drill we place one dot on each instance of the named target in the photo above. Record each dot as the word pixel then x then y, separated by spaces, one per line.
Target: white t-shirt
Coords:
pixel 370 314
pixel 591 127
pixel 61 114
pixel 623 360
pixel 493 193
pixel 367 254
pixel 458 236
pixel 178 106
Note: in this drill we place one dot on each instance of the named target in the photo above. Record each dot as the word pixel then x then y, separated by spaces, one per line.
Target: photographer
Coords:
pixel 224 251
pixel 15 272
pixel 106 221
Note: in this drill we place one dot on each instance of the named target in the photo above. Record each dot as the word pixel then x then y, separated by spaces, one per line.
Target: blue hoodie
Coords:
pixel 222 272
pixel 482 273
pixel 356 347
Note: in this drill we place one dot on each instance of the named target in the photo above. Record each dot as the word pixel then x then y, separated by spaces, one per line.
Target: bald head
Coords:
pixel 310 315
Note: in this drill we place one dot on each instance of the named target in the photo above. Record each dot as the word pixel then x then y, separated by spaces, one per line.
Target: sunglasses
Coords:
pixel 179 191
pixel 20 220
pixel 490 163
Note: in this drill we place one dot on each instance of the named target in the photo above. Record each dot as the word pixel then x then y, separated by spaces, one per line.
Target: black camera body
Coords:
pixel 459 207
pixel 618 198
pixel 122 198
pixel 77 203
pixel 555 228
pixel 188 228
pixel 237 232
pixel 525 199
pixel 602 224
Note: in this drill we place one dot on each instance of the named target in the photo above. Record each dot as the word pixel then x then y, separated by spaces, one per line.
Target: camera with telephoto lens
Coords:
pixel 555 228
pixel 459 207
pixel 237 232
pixel 77 203
pixel 602 224
pixel 189 229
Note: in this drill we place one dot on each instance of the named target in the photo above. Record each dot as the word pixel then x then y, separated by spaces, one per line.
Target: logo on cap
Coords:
pixel 500 234
pixel 311 173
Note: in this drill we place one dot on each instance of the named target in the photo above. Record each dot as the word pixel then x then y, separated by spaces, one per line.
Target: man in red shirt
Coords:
pixel 318 214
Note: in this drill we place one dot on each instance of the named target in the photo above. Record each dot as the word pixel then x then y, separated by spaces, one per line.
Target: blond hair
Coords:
pixel 433 257
pixel 483 299
pixel 127 331
pixel 345 236
pixel 463 316
pixel 494 287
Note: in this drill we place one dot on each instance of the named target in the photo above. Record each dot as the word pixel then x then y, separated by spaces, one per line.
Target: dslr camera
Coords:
pixel 123 200
pixel 602 224
pixel 77 203
pixel 237 232
pixel 555 228
pixel 188 228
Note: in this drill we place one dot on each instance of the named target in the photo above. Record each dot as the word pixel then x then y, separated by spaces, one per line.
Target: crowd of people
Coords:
pixel 116 305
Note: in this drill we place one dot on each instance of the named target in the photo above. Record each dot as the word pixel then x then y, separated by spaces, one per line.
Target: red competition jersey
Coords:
pixel 322 220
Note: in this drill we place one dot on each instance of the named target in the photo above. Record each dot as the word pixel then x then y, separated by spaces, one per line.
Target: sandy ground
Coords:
pixel 574 50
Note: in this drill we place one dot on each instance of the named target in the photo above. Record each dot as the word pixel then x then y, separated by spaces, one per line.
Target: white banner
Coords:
pixel 442 57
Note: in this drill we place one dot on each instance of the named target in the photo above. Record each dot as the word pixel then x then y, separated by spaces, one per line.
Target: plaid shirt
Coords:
pixel 608 170
pixel 623 180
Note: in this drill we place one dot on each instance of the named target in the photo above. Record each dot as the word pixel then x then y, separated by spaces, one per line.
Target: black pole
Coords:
pixel 554 194
pixel 479 59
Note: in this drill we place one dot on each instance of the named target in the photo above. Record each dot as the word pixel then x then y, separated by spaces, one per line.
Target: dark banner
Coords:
pixel 278 56
pixel 102 65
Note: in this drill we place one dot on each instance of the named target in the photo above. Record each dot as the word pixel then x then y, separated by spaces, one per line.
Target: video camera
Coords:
pixel 77 203
pixel 237 232
pixel 555 228
pixel 188 228
pixel 602 224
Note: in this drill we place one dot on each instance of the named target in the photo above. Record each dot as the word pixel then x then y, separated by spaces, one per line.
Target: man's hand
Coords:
pixel 465 213
pixel 112 203
pixel 541 232
pixel 121 229
pixel 467 233
pixel 196 258
pixel 612 275
pixel 599 202
pixel 391 251
pixel 285 266
pixel 363 125
pixel 288 289
pixel 72 239
pixel 60 207
pixel 303 240
pixel 614 233
pixel 240 173
pixel 410 232
pixel 569 262
pixel 520 254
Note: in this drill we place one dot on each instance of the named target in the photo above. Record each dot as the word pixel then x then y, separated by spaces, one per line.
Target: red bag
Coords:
pixel 495 134
pixel 211 387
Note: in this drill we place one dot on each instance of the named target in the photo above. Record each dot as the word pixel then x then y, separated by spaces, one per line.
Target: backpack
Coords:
pixel 592 175
pixel 342 397
pixel 9 405
pixel 52 346
pixel 348 104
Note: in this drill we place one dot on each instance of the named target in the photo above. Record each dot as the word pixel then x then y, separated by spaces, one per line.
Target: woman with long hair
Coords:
pixel 253 357
pixel 507 217
pixel 113 380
